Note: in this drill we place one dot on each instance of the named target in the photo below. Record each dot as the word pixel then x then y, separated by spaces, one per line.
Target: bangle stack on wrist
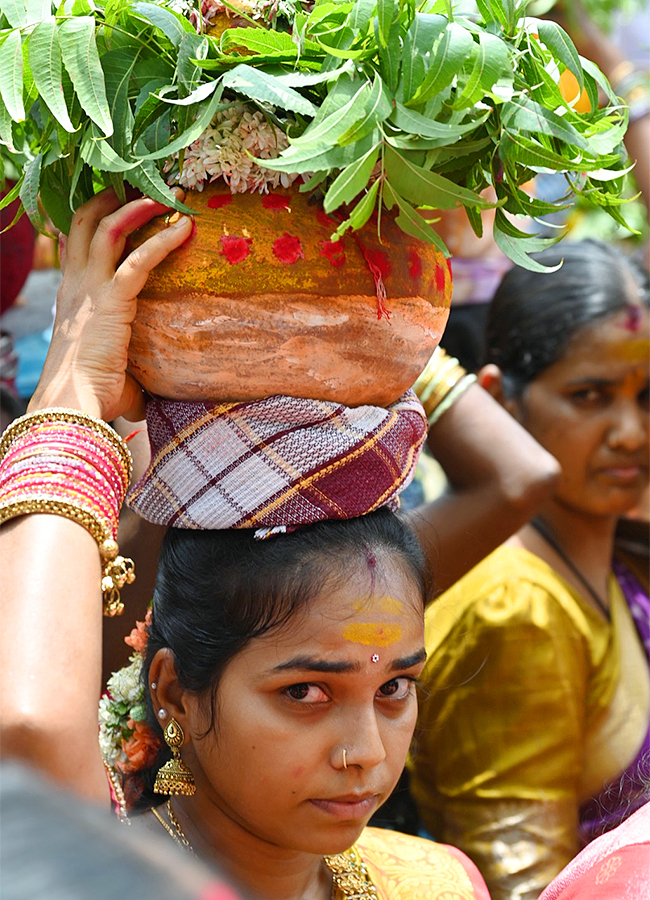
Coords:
pixel 632 85
pixel 441 383
pixel 67 463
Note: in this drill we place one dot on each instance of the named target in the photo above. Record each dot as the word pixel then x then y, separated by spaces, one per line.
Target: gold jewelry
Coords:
pixel 173 829
pixel 350 877
pixel 440 384
pixel 174 777
pixel 345 758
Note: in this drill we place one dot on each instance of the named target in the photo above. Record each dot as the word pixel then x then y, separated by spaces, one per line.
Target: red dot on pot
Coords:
pixel 333 251
pixel 441 278
pixel 323 219
pixel 275 201
pixel 219 200
pixel 235 248
pixel 288 249
pixel 414 264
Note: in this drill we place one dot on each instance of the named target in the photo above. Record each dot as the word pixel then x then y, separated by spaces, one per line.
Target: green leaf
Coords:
pixel 386 10
pixel 424 188
pixel 390 57
pixel 411 222
pixel 11 194
pixel 16 12
pixel 361 14
pixel 258 40
pixel 202 92
pixel 11 75
pixel 46 65
pixel 419 40
pixel 190 134
pixel 307 79
pixel 443 133
pixel 6 129
pixel 361 212
pixel 561 46
pixel 172 25
pixel 149 107
pixel 81 60
pixel 378 107
pixel 523 114
pixel 97 152
pixel 116 181
pixel 147 178
pixel 54 197
pixel 29 190
pixel 518 248
pixel 264 88
pixel 38 10
pixel 321 135
pixel 351 181
pixel 491 62
pixel 118 69
pixel 449 54
pixel 307 160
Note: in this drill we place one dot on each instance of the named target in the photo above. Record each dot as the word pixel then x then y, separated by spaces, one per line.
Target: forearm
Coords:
pixel 498 475
pixel 50 649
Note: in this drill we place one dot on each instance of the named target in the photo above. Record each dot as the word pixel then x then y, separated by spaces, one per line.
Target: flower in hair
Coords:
pixel 127 743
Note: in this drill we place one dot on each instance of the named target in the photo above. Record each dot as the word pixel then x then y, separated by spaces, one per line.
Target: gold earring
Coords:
pixel 174 777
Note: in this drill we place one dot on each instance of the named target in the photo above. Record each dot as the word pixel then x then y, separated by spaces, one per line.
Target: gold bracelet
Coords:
pixel 116 570
pixel 439 378
pixel 76 417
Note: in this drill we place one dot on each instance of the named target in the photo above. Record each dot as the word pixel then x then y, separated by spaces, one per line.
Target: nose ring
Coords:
pixel 345 758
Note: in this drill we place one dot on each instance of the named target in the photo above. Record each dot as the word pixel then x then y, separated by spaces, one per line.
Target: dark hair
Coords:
pixel 534 315
pixel 218 590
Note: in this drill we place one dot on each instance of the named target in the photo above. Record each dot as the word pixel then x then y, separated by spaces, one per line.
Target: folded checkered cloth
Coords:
pixel 276 463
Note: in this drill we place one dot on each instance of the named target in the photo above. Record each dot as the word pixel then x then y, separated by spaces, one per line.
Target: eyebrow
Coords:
pixel 311 664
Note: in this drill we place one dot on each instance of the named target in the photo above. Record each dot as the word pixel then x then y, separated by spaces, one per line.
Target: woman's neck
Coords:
pixel 586 541
pixel 267 870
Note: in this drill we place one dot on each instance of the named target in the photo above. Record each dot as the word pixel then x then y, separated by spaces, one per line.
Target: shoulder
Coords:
pixel 404 867
pixel 509 587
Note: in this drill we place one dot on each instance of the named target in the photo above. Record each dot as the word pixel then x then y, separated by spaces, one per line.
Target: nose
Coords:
pixel 630 428
pixel 362 740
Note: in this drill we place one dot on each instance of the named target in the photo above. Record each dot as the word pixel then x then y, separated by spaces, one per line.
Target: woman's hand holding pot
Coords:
pixel 96 304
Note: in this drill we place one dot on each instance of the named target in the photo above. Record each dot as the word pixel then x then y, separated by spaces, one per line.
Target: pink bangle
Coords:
pixel 70 464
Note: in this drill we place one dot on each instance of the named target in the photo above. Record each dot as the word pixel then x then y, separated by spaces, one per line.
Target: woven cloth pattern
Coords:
pixel 275 463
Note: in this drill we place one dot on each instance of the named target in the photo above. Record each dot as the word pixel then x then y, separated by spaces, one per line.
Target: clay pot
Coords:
pixel 260 301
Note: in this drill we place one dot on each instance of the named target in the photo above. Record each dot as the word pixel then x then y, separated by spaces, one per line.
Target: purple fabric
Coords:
pixel 626 794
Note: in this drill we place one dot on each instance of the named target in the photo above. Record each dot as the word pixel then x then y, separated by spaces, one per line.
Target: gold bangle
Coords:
pixel 116 570
pixel 74 416
pixel 440 376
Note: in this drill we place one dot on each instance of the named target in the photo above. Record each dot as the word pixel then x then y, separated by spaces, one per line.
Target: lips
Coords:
pixel 624 474
pixel 349 806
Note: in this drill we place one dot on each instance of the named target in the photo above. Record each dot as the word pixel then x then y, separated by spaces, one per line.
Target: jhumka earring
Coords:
pixel 174 777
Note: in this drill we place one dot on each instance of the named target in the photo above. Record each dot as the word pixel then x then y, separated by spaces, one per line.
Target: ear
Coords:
pixel 168 697
pixel 490 378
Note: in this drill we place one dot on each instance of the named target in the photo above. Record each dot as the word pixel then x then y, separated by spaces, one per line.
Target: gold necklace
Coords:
pixel 350 876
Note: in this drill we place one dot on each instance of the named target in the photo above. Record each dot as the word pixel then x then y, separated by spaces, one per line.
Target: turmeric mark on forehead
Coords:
pixel 373 634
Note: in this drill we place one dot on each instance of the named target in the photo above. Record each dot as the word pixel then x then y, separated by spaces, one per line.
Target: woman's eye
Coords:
pixel 588 397
pixel 396 688
pixel 306 692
